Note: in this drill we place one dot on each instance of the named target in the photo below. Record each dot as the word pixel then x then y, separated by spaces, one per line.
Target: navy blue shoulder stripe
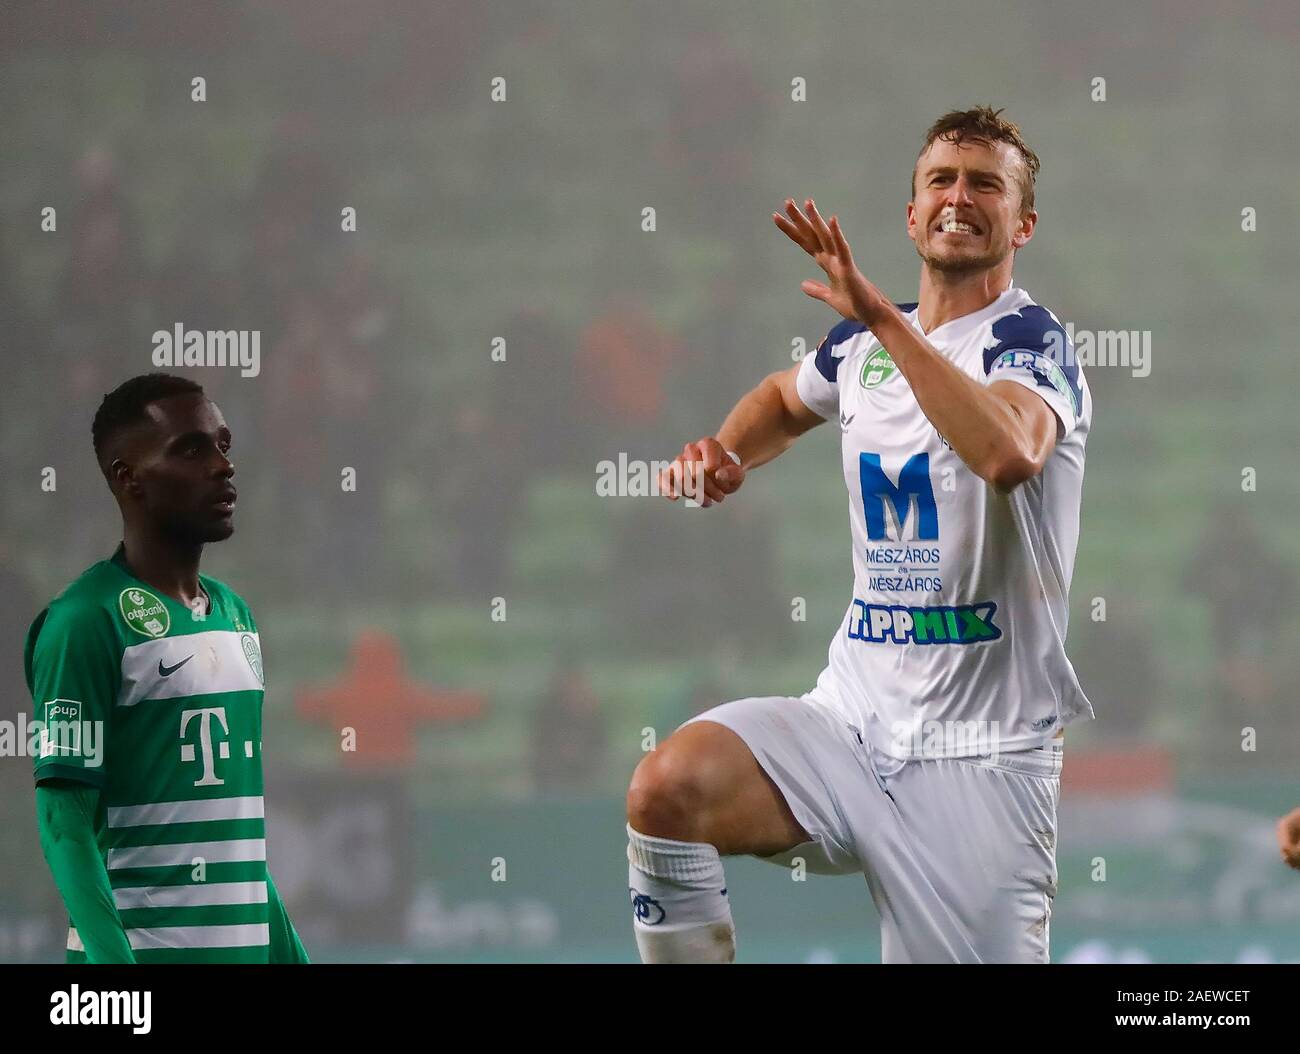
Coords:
pixel 826 362
pixel 827 365
pixel 1034 329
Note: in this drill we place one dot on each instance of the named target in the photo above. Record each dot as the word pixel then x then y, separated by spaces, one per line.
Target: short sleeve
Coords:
pixel 73 667
pixel 818 378
pixel 1031 349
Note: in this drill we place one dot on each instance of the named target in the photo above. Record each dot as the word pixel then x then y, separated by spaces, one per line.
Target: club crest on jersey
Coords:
pixel 878 368
pixel 144 612
pixel 254 656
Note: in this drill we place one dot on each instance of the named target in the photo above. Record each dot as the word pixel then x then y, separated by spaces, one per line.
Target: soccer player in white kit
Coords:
pixel 928 755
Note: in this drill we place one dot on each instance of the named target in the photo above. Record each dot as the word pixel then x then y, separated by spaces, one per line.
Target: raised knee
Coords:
pixel 666 798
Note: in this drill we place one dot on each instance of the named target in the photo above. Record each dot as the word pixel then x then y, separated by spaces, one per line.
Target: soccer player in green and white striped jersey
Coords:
pixel 147 682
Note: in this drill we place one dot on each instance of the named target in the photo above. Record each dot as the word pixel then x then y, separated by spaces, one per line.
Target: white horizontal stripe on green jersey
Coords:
pixel 246 936
pixel 248 807
pixel 190 666
pixel 201 894
pixel 234 850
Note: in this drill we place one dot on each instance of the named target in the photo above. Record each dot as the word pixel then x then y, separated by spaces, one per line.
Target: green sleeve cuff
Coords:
pixel 53 770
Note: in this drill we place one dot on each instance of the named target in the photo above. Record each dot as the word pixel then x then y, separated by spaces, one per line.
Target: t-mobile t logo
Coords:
pixel 205 716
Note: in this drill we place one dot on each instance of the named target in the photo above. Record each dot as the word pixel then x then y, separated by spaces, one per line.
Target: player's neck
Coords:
pixel 945 296
pixel 166 563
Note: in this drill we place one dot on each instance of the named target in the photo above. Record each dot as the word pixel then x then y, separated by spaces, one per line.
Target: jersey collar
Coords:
pixel 1000 303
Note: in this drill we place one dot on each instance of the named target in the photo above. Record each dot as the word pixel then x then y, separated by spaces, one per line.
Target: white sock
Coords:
pixel 679 897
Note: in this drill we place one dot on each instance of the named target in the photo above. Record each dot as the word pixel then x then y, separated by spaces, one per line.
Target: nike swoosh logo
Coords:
pixel 846 421
pixel 167 671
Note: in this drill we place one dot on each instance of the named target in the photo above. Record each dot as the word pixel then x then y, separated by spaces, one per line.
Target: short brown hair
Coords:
pixel 983 124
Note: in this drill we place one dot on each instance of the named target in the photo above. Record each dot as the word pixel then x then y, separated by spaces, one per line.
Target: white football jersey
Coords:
pixel 954 642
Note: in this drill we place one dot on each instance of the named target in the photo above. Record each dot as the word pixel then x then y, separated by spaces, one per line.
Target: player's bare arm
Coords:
pixel 761 426
pixel 1003 431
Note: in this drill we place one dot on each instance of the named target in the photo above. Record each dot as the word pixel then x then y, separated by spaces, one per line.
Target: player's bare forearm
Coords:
pixel 1003 432
pixel 760 426
pixel 767 420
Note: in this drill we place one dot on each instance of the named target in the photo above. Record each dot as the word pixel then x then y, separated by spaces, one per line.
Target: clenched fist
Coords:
pixel 703 471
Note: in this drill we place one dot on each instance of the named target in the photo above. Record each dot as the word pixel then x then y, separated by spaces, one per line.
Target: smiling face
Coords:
pixel 966 213
pixel 175 468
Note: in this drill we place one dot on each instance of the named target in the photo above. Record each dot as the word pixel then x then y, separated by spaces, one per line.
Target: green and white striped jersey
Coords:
pixel 161 709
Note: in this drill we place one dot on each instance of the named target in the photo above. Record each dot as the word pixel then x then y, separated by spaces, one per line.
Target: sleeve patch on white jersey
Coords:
pixel 1045 372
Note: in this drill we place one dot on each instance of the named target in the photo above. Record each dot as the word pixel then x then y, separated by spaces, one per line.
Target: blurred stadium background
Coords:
pixel 490 749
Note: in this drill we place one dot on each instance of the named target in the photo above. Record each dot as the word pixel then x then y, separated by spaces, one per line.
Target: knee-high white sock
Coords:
pixel 680 911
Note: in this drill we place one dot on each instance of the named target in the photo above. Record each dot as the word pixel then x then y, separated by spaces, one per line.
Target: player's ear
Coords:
pixel 1025 230
pixel 122 478
pixel 911 220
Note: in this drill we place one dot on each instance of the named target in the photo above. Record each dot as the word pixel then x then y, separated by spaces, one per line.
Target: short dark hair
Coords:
pixel 985 125
pixel 125 405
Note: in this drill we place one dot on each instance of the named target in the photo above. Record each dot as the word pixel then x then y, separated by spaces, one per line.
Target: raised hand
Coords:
pixel 849 292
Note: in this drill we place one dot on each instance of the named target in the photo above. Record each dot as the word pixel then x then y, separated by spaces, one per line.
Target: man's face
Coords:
pixel 965 213
pixel 177 468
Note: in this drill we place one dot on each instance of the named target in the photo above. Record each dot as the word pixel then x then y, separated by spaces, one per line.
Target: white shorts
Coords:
pixel 959 853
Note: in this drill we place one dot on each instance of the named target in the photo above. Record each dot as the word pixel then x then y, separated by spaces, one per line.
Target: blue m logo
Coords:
pixel 913 483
